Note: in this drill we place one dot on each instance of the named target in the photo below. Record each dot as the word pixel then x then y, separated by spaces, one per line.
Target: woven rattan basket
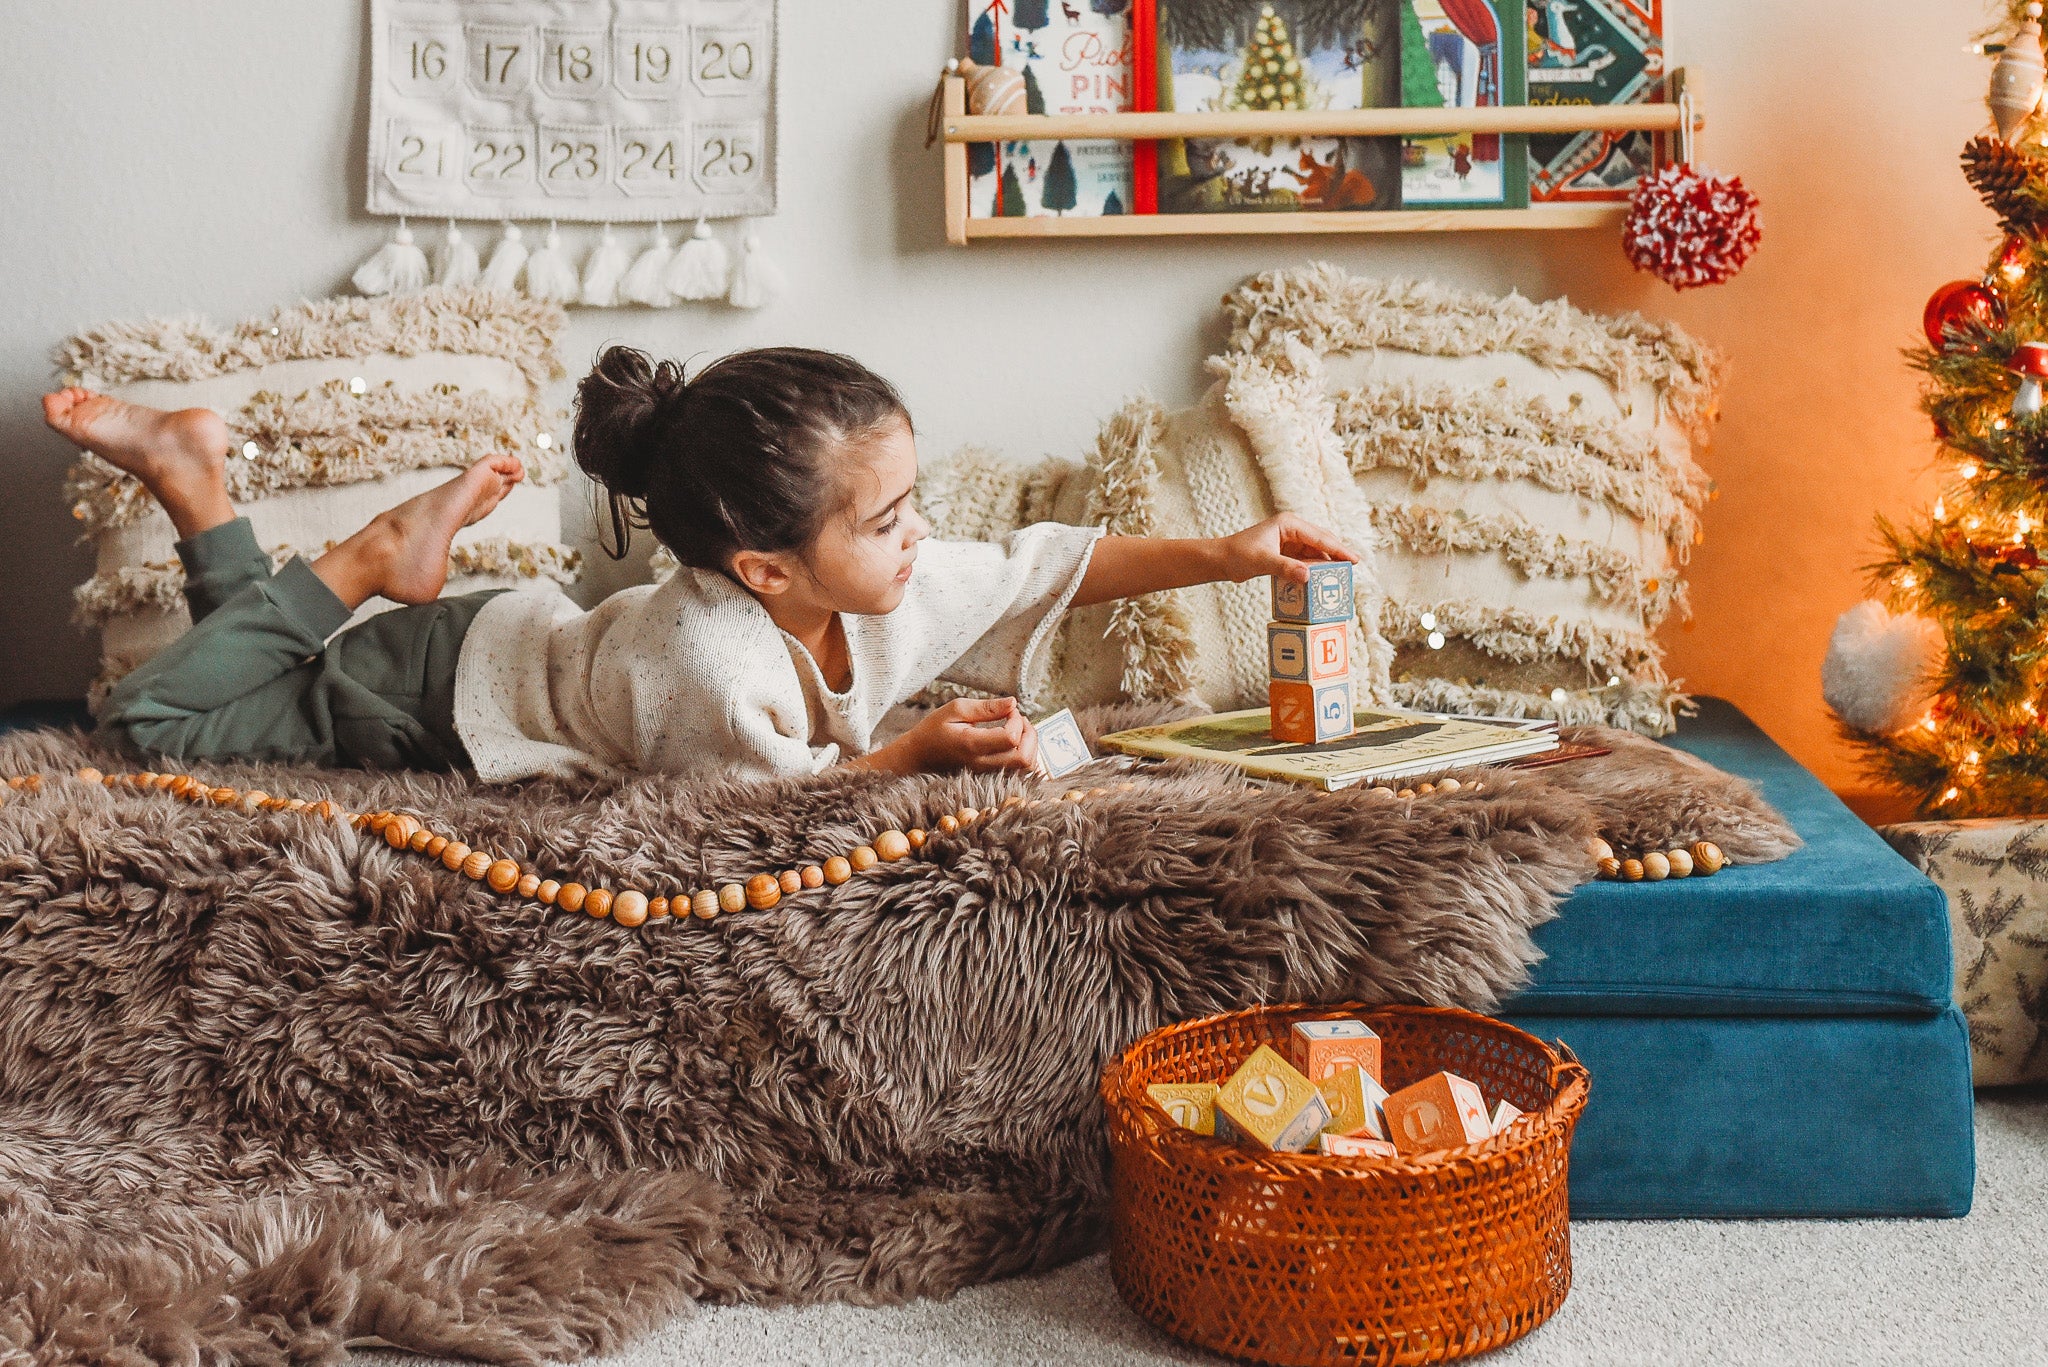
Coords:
pixel 1296 1258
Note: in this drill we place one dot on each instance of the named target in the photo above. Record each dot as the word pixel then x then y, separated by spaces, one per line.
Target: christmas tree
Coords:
pixel 1945 690
pixel 1010 194
pixel 1269 75
pixel 1058 192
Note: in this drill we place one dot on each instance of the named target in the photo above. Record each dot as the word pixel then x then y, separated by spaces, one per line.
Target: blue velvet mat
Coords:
pixel 1843 926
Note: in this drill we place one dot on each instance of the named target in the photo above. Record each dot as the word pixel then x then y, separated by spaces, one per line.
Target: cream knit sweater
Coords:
pixel 691 675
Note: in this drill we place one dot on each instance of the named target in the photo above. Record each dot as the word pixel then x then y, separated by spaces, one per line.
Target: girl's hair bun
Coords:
pixel 622 406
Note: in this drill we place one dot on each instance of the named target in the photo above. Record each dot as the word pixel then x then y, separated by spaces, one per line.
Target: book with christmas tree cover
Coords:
pixel 1267 55
pixel 1464 54
pixel 1387 743
pixel 1593 52
pixel 1076 59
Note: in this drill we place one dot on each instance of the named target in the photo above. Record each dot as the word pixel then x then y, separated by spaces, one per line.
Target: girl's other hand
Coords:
pixel 975 734
pixel 1282 546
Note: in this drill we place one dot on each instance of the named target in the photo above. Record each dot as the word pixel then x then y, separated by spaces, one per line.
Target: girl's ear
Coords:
pixel 761 571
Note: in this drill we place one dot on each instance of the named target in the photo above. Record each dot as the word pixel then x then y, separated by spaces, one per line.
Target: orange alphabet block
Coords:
pixel 1505 1113
pixel 1443 1111
pixel 1292 712
pixel 1322 1049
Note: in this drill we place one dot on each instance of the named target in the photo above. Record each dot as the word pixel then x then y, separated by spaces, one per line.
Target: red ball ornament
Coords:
pixel 1957 305
pixel 1691 227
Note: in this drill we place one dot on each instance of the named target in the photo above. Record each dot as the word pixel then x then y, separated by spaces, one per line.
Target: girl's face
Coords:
pixel 861 561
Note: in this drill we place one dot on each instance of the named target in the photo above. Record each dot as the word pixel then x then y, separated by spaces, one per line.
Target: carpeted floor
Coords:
pixel 1806 1292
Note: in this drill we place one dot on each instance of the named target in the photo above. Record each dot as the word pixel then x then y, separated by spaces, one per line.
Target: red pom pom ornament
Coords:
pixel 1690 227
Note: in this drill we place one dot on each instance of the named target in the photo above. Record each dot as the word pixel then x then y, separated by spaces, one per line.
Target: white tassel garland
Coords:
pixel 397 267
pixel 703 267
pixel 757 279
pixel 647 281
pixel 601 273
pixel 458 264
pixel 549 276
pixel 508 259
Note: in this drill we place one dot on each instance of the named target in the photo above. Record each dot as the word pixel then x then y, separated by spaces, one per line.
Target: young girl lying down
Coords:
pixel 809 603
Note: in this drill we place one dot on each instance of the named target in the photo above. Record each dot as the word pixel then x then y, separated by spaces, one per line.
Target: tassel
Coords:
pixel 397 267
pixel 549 276
pixel 647 283
pixel 608 262
pixel 702 267
pixel 508 259
pixel 458 264
pixel 757 280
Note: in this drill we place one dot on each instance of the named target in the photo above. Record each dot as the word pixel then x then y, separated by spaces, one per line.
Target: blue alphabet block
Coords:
pixel 1333 711
pixel 1326 597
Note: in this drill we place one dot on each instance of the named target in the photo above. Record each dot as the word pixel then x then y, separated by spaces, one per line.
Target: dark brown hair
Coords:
pixel 741 457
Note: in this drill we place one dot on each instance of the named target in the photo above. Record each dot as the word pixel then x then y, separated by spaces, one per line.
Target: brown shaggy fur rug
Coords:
pixel 268 1088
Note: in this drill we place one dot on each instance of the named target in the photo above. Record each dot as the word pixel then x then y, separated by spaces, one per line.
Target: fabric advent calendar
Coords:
pixel 579 110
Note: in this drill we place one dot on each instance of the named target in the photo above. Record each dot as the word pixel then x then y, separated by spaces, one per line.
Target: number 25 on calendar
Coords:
pixel 728 158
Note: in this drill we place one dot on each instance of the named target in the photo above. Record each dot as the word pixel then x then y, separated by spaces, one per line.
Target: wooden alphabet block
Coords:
pixel 1191 1104
pixel 1355 1146
pixel 1272 1105
pixel 1505 1113
pixel 1357 1103
pixel 1298 652
pixel 1291 712
pixel 1333 710
pixel 1326 597
pixel 1322 1049
pixel 1443 1111
pixel 1061 747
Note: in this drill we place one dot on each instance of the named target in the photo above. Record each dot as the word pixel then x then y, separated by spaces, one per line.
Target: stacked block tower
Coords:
pixel 1308 655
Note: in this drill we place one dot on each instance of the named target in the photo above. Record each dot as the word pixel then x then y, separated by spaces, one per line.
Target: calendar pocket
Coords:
pixel 574 159
pixel 647 63
pixel 422 156
pixel 573 62
pixel 425 60
pixel 727 158
pixel 728 61
pixel 652 161
pixel 498 59
pixel 499 161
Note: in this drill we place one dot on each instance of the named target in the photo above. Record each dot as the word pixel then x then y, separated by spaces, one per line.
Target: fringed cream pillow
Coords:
pixel 338 410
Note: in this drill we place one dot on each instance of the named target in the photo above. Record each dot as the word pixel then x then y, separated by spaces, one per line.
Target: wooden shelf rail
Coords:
pixel 958 128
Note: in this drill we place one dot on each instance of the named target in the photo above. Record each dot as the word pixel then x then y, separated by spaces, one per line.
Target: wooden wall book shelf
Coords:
pixel 958 128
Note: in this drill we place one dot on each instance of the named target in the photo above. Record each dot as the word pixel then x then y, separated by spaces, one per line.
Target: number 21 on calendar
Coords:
pixel 419 155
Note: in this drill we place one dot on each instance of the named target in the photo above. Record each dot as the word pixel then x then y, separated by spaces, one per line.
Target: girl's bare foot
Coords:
pixel 403 554
pixel 180 457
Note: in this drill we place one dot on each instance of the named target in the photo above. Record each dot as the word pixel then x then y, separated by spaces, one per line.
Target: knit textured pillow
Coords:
pixel 337 410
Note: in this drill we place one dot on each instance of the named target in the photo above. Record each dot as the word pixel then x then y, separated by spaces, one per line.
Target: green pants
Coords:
pixel 257 679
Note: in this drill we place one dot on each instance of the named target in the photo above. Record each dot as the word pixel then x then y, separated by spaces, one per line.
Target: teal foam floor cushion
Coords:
pixel 1777 1040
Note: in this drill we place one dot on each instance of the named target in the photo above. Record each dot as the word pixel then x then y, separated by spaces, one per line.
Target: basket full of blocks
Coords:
pixel 1446 1236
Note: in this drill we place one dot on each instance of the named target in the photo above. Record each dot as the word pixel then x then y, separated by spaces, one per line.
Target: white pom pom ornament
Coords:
pixel 1880 668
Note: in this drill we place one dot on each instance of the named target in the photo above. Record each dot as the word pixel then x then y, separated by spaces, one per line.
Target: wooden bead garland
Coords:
pixel 1704 859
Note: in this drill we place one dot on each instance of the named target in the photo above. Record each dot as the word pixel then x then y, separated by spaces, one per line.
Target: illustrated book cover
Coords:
pixel 1076 59
pixel 1388 743
pixel 1593 52
pixel 1464 54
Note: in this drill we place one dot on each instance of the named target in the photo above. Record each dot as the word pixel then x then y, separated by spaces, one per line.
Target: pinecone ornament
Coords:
pixel 2007 178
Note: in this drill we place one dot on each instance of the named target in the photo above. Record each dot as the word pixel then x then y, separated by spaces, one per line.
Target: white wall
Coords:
pixel 167 156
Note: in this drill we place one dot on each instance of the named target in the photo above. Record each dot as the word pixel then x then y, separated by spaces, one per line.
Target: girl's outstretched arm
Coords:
pixel 1125 566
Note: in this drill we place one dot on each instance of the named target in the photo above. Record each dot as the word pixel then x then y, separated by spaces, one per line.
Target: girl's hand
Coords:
pixel 977 734
pixel 1281 546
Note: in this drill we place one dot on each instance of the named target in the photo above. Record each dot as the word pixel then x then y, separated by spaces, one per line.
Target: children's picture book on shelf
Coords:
pixel 1076 59
pixel 1593 52
pixel 1229 55
pixel 1464 54
pixel 1388 743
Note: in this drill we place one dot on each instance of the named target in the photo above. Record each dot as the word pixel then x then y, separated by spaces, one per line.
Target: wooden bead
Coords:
pixel 324 809
pixel 453 853
pixel 892 846
pixel 1405 793
pixel 704 904
pixel 812 876
pixel 916 836
pixel 949 823
pixel 1610 867
pixel 657 909
pixel 1707 857
pixel 598 902
pixel 763 891
pixel 436 844
pixel 1632 870
pixel 967 814
pixel 1449 785
pixel 1681 863
pixel 1600 850
pixel 547 892
pixel 356 819
pixel 570 898
pixel 1426 789
pixel 528 884
pixel 863 858
pixel 837 870
pixel 225 797
pixel 731 898
pixel 253 799
pixel 477 864
pixel 629 908
pixel 503 875
pixel 1383 792
pixel 1656 868
pixel 166 782
pixel 791 881
pixel 398 832
pixel 1072 795
pixel 298 804
pixel 421 838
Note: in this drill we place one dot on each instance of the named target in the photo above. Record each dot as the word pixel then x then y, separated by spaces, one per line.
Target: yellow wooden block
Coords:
pixel 1357 1104
pixel 1191 1104
pixel 1273 1105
